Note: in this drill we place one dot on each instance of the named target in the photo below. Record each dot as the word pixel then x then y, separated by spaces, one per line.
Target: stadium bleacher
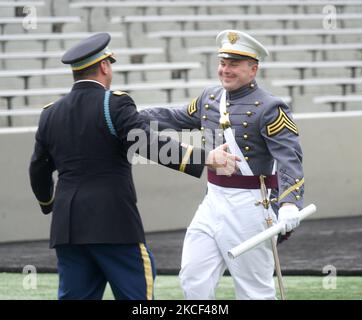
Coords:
pixel 136 55
pixel 333 100
pixel 147 36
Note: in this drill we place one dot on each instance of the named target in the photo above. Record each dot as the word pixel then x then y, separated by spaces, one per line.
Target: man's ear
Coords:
pixel 255 68
pixel 103 67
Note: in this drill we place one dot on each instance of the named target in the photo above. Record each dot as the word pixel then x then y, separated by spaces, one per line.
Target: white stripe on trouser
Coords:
pixel 225 218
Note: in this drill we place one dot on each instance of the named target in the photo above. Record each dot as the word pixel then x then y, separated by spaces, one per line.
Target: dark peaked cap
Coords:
pixel 88 52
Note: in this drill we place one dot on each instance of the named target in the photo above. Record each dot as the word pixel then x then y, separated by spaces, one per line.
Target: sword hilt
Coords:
pixel 264 193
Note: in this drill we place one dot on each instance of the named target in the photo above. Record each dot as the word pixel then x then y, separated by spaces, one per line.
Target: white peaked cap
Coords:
pixel 235 44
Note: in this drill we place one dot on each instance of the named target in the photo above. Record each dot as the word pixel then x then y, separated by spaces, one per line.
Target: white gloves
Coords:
pixel 289 215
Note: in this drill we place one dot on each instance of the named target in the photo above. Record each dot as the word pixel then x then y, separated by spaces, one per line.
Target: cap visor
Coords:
pixel 112 58
pixel 226 55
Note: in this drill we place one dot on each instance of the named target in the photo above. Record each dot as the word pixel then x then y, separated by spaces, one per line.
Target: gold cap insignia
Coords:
pixel 233 37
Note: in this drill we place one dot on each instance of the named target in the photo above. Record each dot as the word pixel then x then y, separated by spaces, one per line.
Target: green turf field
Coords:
pixel 168 288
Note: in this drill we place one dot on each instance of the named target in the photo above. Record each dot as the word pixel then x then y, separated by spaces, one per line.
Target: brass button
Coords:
pixel 247 158
pixel 202 128
pixel 257 103
pixel 297 189
pixel 249 113
pixel 245 136
pixel 247 148
pixel 206 106
pixel 252 85
pixel 297 180
pixel 245 124
pixel 203 139
pixel 212 97
pixel 204 117
pixel 228 104
pixel 297 197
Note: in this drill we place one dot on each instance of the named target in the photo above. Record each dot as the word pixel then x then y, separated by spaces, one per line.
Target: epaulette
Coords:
pixel 119 93
pixel 48 105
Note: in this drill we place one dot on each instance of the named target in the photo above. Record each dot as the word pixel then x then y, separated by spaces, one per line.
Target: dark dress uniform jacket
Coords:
pixel 95 198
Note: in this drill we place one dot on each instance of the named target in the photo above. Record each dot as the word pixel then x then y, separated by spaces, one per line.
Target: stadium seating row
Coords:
pixel 292 22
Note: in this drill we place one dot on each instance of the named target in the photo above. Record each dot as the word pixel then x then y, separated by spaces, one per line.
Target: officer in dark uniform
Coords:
pixel 96 228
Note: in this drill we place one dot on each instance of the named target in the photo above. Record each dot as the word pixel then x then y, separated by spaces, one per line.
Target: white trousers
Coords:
pixel 225 218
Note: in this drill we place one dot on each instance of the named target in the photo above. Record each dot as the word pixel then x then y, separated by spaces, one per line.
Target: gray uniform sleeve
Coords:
pixel 282 139
pixel 178 118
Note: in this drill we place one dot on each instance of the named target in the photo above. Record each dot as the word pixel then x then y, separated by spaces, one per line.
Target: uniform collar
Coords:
pixel 242 91
pixel 85 84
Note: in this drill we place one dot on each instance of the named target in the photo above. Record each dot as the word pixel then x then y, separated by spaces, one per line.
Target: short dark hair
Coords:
pixel 251 62
pixel 87 72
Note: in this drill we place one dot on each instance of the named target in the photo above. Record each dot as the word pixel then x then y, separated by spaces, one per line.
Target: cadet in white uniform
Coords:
pixel 265 132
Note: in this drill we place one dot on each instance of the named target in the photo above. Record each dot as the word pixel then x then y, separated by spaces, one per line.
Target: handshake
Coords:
pixel 221 161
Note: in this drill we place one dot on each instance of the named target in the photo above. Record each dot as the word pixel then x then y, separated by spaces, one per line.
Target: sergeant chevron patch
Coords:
pixel 281 122
pixel 192 108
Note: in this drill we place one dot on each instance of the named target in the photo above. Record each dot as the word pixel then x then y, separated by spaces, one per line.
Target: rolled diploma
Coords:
pixel 267 234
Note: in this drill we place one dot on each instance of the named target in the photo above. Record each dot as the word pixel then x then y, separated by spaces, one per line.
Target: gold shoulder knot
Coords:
pixel 119 93
pixel 48 105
